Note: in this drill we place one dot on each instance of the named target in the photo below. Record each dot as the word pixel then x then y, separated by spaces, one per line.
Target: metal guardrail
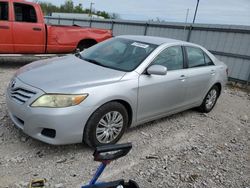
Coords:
pixel 176 25
pixel 247 57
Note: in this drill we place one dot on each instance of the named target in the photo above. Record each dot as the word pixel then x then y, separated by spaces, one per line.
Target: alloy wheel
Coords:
pixel 211 99
pixel 109 127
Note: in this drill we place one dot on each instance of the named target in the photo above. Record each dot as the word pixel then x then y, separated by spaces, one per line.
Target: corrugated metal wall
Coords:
pixel 229 43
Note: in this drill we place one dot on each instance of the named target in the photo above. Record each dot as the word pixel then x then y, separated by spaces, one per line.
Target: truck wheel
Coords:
pixel 84 44
pixel 106 125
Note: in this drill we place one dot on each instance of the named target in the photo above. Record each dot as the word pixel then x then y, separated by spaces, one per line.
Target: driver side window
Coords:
pixel 171 57
pixel 4 11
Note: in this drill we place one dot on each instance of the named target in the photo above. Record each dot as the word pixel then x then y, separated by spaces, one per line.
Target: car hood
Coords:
pixel 64 74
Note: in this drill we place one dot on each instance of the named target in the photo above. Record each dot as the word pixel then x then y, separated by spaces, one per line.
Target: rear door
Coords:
pixel 162 94
pixel 28 28
pixel 201 72
pixel 6 41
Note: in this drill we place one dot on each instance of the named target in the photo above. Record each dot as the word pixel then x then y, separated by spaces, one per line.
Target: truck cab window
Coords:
pixel 4 11
pixel 24 13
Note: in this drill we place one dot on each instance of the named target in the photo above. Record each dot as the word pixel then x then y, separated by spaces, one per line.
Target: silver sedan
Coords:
pixel 95 95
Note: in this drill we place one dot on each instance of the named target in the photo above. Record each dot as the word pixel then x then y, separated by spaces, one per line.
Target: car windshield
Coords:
pixel 118 53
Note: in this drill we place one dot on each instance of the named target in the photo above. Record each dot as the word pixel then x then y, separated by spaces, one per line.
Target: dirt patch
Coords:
pixel 189 149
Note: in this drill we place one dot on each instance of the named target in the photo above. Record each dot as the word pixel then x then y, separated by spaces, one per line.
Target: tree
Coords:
pixel 115 16
pixel 68 7
pixel 48 8
pixel 78 8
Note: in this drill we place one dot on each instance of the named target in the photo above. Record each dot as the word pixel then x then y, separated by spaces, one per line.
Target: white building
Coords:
pixel 74 15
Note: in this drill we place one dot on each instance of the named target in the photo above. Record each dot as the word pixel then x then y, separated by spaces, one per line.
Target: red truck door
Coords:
pixel 28 29
pixel 6 41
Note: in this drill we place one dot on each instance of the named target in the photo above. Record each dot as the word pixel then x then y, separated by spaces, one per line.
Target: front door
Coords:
pixel 6 45
pixel 161 94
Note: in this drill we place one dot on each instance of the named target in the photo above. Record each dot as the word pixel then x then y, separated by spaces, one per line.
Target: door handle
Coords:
pixel 37 29
pixel 4 27
pixel 182 78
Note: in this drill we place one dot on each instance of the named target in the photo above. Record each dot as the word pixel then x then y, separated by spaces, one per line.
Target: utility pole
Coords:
pixel 190 30
pixel 197 5
pixel 90 10
pixel 185 23
pixel 187 16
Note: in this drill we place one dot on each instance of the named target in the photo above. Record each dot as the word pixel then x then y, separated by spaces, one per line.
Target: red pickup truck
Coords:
pixel 22 30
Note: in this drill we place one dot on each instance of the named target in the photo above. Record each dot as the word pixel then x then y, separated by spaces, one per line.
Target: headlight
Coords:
pixel 58 100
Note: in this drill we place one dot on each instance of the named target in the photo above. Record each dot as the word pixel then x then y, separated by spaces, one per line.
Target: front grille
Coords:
pixel 21 95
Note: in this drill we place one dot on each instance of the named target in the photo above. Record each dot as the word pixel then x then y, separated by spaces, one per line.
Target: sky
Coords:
pixel 210 11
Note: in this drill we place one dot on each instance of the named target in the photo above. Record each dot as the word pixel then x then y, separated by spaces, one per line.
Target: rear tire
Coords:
pixel 106 125
pixel 210 100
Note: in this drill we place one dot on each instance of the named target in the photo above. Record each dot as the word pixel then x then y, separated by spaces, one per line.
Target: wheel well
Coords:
pixel 87 42
pixel 219 87
pixel 128 108
pixel 125 104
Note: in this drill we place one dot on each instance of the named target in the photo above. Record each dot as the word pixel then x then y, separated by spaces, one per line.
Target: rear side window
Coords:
pixel 195 57
pixel 172 58
pixel 25 13
pixel 208 60
pixel 4 11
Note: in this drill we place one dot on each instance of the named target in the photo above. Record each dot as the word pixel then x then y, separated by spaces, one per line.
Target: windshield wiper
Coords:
pixel 94 62
pixel 78 54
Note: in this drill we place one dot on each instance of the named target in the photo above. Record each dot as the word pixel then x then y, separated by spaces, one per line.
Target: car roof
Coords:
pixel 152 39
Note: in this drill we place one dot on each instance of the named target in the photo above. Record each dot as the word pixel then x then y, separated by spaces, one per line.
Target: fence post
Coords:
pixel 112 26
pixel 73 23
pixel 248 81
pixel 90 22
pixel 189 32
pixel 59 20
pixel 146 29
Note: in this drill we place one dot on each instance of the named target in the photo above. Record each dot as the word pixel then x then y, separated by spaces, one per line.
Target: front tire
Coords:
pixel 210 100
pixel 106 125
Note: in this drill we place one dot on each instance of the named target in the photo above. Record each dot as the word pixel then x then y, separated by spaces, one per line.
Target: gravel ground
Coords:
pixel 189 149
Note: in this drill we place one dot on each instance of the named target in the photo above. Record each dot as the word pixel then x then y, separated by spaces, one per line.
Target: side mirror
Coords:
pixel 157 70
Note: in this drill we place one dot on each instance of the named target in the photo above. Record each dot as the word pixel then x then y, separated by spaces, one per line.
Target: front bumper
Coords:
pixel 68 123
